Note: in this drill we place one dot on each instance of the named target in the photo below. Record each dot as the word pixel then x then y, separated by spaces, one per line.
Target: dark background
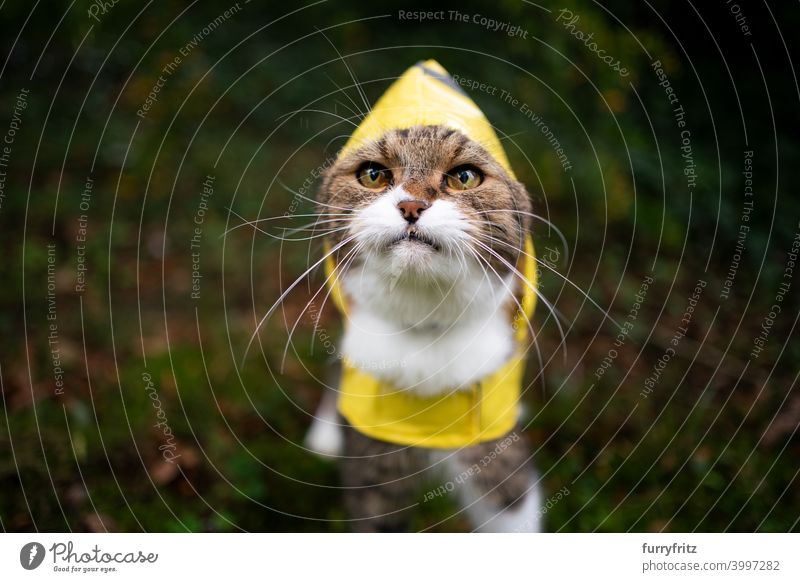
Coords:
pixel 256 104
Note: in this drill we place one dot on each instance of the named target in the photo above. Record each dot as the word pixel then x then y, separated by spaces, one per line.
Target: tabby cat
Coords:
pixel 427 235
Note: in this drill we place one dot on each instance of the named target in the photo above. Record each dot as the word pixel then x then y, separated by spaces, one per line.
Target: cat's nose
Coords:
pixel 411 209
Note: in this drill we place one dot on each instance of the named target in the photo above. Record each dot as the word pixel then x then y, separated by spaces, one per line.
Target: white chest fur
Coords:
pixel 425 335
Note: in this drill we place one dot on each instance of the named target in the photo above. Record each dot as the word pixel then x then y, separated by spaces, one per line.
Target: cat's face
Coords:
pixel 425 200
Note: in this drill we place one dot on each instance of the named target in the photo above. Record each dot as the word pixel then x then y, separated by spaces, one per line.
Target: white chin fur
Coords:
pixel 424 319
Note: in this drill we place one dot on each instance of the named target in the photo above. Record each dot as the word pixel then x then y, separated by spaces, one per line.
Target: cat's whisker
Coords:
pixel 356 83
pixel 506 136
pixel 347 219
pixel 566 280
pixel 358 113
pixel 533 335
pixel 322 111
pixel 502 281
pixel 347 264
pixel 316 202
pixel 271 218
pixel 343 136
pixel 296 282
pixel 311 301
pixel 321 232
pixel 468 248
pixel 462 257
pixel 357 248
pixel 355 114
pixel 311 230
pixel 305 238
pixel 539 218
pixel 312 226
pixel 526 282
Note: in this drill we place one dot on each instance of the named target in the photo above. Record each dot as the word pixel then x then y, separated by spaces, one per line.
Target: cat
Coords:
pixel 427 233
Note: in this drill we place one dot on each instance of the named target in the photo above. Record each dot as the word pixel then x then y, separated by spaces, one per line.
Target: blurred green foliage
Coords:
pixel 257 104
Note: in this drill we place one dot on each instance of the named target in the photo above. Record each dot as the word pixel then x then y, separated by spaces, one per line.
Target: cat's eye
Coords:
pixel 463 178
pixel 374 176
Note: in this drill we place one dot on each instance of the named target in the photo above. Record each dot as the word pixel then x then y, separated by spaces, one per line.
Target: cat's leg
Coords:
pixel 497 485
pixel 381 482
pixel 325 436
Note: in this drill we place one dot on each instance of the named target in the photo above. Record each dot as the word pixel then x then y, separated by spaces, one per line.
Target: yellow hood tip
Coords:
pixel 426 94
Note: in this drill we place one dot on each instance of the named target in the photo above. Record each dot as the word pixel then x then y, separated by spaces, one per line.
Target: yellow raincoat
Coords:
pixel 426 95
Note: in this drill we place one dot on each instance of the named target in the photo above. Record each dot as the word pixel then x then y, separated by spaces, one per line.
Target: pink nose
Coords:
pixel 411 209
